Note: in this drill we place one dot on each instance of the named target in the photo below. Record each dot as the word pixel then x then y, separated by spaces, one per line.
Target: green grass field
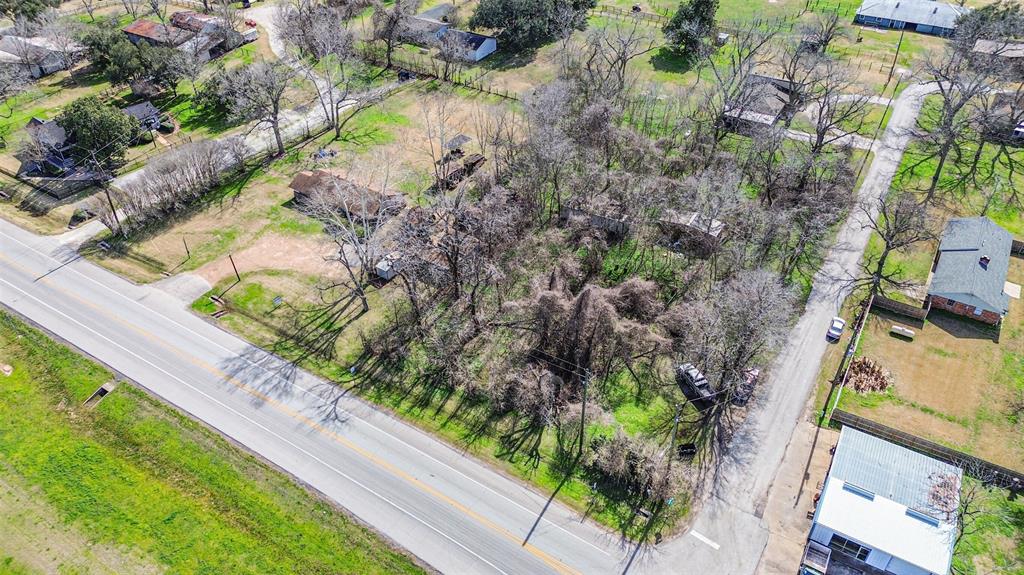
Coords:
pixel 134 475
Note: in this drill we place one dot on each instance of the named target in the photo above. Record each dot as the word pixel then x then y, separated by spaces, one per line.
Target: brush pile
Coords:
pixel 867 375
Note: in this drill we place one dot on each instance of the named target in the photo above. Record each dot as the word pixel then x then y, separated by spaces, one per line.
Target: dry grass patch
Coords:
pixel 952 383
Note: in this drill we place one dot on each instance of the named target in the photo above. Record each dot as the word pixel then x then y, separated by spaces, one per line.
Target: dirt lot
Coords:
pixel 953 383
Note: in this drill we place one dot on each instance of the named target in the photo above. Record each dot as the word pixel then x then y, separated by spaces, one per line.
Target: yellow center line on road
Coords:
pixel 553 562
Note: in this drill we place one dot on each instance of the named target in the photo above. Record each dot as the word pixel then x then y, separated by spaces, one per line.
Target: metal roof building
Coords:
pixel 888 507
pixel 925 16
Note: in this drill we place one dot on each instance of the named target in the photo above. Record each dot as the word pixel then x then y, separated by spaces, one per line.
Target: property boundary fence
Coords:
pixel 918 313
pixel 819 6
pixel 990 472
pixel 644 17
pixel 433 68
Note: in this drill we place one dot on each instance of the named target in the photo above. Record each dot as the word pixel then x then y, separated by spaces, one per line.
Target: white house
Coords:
pixel 478 46
pixel 885 509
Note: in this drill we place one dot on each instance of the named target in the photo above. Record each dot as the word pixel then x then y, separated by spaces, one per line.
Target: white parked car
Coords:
pixel 835 329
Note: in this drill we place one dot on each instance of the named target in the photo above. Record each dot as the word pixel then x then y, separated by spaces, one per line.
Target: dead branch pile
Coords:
pixel 867 375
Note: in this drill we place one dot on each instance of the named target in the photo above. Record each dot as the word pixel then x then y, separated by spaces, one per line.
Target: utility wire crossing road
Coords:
pixel 451 511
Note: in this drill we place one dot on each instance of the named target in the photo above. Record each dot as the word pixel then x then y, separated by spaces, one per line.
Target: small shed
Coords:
pixel 691 230
pixel 389 266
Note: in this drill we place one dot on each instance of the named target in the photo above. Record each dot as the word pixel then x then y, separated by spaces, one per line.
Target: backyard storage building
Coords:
pixel 969 275
pixel 886 507
pixel 925 16
pixel 39 56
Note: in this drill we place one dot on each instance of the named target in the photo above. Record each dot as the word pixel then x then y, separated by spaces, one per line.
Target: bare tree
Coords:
pixel 257 93
pixel 174 181
pixel 724 334
pixel 837 108
pixel 452 51
pixel 731 90
pixel 389 24
pixel 90 8
pixel 13 79
pixel 158 8
pixel 353 214
pixel 900 222
pixel 62 34
pixel 132 7
pixel 600 62
pixel 946 127
pixel 971 503
pixel 321 33
pixel 825 28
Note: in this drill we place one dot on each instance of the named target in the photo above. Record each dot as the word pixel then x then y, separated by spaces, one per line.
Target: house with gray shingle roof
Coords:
pixel 969 274
pixel 885 509
pixel 925 16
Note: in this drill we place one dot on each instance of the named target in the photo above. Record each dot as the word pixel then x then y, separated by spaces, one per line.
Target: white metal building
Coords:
pixel 888 507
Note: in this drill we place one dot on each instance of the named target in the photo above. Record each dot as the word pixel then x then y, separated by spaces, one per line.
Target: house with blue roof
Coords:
pixel 884 510
pixel 969 273
pixel 925 16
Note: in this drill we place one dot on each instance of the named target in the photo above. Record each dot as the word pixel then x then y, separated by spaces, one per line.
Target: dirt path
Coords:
pixel 275 252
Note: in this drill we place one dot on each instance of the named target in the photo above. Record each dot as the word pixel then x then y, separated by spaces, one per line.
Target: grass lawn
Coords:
pixel 952 383
pixel 995 543
pixel 139 479
pixel 45 99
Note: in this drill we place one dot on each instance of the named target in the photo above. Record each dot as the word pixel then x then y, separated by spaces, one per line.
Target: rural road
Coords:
pixel 451 511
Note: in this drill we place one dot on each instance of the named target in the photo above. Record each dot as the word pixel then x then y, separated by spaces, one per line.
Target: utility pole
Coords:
pixel 892 68
pixel 105 184
pixel 672 443
pixel 583 411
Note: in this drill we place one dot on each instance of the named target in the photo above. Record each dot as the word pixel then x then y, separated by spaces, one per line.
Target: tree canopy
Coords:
pixel 527 22
pixel 101 132
pixel 123 62
pixel 28 9
pixel 692 23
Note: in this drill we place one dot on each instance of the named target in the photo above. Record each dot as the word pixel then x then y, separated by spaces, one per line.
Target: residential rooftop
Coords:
pixel 973 261
pixel 892 499
pixel 926 12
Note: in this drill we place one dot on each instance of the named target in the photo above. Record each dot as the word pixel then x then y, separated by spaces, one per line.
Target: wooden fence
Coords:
pixel 914 312
pixel 989 472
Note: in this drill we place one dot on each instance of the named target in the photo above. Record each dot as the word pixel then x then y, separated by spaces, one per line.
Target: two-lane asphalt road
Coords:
pixel 448 509
pixel 452 512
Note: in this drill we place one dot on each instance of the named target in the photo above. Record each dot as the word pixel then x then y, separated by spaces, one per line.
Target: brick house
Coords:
pixel 969 273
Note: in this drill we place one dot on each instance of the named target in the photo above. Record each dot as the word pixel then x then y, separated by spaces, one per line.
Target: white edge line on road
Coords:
pixel 308 392
pixel 700 537
pixel 259 425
